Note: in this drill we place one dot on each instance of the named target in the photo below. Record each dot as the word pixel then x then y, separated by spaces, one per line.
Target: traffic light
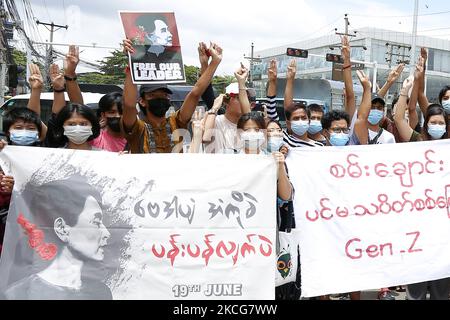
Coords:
pixel 334 58
pixel 299 53
pixel 12 76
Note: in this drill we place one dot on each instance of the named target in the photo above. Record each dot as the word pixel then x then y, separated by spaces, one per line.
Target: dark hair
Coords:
pixel 334 115
pixel 22 113
pixel 107 102
pixel 293 107
pixel 442 93
pixel 315 107
pixel 148 21
pixel 274 121
pixel 255 116
pixel 66 113
pixel 60 198
pixel 434 109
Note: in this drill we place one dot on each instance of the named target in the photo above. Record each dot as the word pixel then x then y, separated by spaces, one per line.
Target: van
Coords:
pixel 90 99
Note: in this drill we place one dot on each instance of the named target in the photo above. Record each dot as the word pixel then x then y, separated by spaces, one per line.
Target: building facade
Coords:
pixel 379 49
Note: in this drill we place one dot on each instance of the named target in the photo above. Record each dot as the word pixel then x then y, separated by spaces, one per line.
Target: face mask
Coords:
pixel 446 106
pixel 253 140
pixel 339 139
pixel 78 134
pixel 274 144
pixel 158 107
pixel 315 126
pixel 23 137
pixel 113 123
pixel 299 127
pixel 436 131
pixel 375 116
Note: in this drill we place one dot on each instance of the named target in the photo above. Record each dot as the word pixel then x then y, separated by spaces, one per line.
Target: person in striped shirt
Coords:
pixel 297 114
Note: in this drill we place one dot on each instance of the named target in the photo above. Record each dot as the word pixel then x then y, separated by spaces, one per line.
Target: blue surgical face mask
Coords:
pixel 436 131
pixel 375 116
pixel 339 139
pixel 315 126
pixel 274 143
pixel 446 106
pixel 299 127
pixel 23 137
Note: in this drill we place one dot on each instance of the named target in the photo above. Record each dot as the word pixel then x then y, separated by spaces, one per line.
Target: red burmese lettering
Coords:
pixel 337 171
pixel 381 172
pixel 324 209
pixel 353 169
pixel 429 162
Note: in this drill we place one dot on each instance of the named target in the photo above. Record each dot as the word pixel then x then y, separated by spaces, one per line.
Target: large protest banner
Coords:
pixel 371 216
pixel 98 225
pixel 157 57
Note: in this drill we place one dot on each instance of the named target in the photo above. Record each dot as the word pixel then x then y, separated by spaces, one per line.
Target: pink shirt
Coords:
pixel 107 142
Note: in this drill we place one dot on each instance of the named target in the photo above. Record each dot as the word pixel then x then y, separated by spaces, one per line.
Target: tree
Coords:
pixel 192 74
pixel 115 65
pixel 19 57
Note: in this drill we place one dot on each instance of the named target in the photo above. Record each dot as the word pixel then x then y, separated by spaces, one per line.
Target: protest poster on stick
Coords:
pixel 372 217
pixel 125 229
pixel 157 57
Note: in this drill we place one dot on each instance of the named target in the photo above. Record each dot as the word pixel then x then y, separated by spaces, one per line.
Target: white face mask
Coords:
pixel 78 134
pixel 253 140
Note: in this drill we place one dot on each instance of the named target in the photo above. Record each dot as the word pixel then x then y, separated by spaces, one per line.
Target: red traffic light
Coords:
pixel 299 53
pixel 334 58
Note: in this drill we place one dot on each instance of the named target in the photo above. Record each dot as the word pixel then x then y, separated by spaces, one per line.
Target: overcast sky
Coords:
pixel 235 24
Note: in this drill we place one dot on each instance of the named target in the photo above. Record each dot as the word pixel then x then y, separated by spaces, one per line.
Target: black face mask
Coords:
pixel 113 123
pixel 158 107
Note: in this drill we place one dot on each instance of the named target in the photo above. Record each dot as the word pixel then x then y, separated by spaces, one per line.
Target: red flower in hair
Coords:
pixel 36 238
pixel 21 219
pixel 47 251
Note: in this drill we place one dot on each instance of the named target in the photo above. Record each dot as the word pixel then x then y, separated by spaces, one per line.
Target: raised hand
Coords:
pixel 36 81
pixel 6 184
pixel 345 50
pixel 216 52
pixel 365 82
pixel 424 53
pixel 291 69
pixel 71 60
pixel 408 82
pixel 128 46
pixel 198 123
pixel 272 72
pixel 395 73
pixel 420 67
pixel 218 102
pixel 56 77
pixel 203 54
pixel 241 74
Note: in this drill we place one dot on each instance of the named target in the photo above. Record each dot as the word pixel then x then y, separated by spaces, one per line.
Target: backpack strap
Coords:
pixel 375 139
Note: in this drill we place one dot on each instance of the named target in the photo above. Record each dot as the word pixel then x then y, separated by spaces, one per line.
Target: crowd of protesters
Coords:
pixel 138 121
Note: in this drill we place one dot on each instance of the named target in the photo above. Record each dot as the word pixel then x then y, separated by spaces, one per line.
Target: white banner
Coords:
pixel 370 217
pixel 160 226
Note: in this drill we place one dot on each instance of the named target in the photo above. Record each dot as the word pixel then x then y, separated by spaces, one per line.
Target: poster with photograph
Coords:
pixel 157 57
pixel 98 225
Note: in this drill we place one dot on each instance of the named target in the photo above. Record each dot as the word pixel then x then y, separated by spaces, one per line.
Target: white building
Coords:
pixel 374 54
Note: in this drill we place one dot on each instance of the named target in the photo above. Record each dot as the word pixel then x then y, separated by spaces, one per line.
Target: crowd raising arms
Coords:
pixel 73 125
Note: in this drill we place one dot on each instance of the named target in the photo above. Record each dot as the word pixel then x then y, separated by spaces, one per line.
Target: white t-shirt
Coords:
pixel 225 138
pixel 385 137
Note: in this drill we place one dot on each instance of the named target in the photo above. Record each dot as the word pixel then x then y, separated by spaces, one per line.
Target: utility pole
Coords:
pixel 398 51
pixel 414 37
pixel 337 68
pixel 49 49
pixel 252 60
